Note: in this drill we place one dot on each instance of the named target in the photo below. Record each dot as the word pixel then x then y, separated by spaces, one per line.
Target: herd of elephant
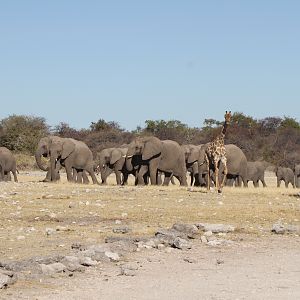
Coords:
pixel 148 159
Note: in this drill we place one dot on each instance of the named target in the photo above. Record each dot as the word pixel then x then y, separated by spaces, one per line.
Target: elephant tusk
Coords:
pixel 129 156
pixel 124 156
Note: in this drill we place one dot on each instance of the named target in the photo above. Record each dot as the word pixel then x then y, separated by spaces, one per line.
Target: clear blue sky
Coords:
pixel 128 61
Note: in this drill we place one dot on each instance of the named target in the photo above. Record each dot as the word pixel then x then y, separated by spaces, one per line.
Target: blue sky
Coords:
pixel 128 61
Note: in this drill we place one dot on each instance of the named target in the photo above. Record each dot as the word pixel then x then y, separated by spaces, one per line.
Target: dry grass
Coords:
pixel 89 212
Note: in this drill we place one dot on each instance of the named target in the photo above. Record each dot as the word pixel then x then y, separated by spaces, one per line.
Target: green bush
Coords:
pixel 22 133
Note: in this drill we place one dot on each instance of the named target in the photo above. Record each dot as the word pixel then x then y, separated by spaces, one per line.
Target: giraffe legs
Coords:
pixel 208 175
pixel 217 176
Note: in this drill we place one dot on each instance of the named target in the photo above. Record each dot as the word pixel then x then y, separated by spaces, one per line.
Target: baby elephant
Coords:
pixel 7 165
pixel 285 174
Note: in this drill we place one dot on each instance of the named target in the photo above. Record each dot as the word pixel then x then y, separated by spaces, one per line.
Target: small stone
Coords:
pixel 61 228
pixel 180 243
pixel 112 255
pixel 208 233
pixel 168 250
pixel 87 262
pixel 118 222
pixel 203 239
pixel 4 281
pixel 49 231
pixel 215 228
pixel 52 268
pixel 219 261
pixel 129 269
pixel 52 215
pixel 161 246
pixel 190 260
pixel 122 230
pixel 219 242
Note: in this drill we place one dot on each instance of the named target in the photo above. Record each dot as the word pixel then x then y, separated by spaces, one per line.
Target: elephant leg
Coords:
pixel 298 181
pixel 192 178
pixel 153 166
pixel 159 180
pixel 125 178
pixel 15 175
pixel 48 176
pixel 255 183
pixel 172 180
pixel 69 171
pixel 278 182
pixel 286 183
pixel 141 173
pixel 263 182
pixel 167 178
pixel 146 178
pixel 2 174
pixel 85 178
pixel 245 182
pixel 78 178
pixel 196 179
pixel 90 170
pixel 118 177
pixel 219 188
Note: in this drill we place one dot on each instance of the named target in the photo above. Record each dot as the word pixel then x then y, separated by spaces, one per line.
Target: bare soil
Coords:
pixel 258 265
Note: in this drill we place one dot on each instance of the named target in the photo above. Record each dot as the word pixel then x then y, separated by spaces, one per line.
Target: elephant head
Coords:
pixel 107 158
pixel 145 147
pixel 297 175
pixel 60 149
pixel 43 149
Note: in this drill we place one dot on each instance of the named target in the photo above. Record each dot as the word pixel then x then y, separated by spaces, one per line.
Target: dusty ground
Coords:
pixel 258 265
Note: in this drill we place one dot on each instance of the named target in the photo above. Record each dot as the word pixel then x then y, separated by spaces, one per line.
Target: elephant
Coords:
pixel 191 153
pixel 285 174
pixel 256 172
pixel 7 165
pixel 66 152
pixel 236 165
pixel 111 160
pixel 79 176
pixel 297 175
pixel 155 155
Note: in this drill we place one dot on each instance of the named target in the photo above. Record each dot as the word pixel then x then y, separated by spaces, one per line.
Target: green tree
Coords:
pixel 288 122
pixel 101 124
pixel 22 133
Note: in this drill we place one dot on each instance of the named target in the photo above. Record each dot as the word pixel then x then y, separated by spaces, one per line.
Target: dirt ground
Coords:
pixel 258 265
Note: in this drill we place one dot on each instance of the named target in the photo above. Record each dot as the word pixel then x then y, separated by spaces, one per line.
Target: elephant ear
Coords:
pixel 67 148
pixel 116 154
pixel 201 157
pixel 194 156
pixel 152 147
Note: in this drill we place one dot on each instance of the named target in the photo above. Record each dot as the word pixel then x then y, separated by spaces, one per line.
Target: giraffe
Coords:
pixel 216 152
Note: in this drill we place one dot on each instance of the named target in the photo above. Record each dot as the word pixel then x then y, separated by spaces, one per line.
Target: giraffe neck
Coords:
pixel 224 128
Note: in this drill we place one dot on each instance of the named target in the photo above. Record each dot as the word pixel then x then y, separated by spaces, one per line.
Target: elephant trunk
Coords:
pixel 38 159
pixel 129 165
pixel 53 166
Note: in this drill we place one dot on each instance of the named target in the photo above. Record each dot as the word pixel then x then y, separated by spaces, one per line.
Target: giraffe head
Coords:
pixel 227 116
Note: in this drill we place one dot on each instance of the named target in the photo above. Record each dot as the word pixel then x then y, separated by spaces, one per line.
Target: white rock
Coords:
pixel 112 255
pixel 49 231
pixel 208 233
pixel 203 239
